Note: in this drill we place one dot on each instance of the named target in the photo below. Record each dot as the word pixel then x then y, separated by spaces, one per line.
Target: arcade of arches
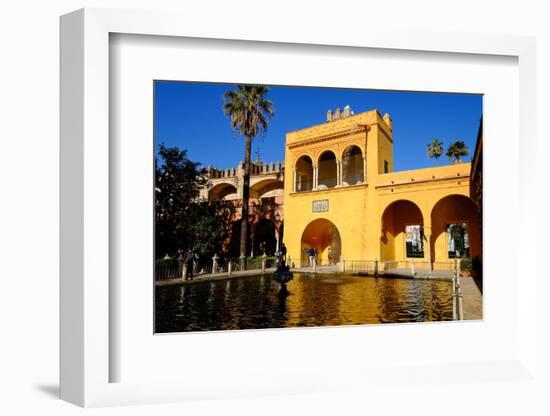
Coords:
pixel 405 234
pixel 266 211
pixel 329 172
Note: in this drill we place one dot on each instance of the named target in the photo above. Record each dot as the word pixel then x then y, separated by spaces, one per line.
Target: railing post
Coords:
pixel 242 260
pixel 229 268
pixel 455 293
pixel 376 267
pixel 264 258
pixel 182 266
pixel 215 263
pixel 460 305
pixel 342 264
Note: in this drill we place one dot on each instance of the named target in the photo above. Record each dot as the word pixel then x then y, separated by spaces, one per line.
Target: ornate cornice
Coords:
pixel 327 137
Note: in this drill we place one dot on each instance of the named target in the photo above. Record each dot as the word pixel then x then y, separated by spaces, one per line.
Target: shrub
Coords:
pixel 163 263
pixel 466 264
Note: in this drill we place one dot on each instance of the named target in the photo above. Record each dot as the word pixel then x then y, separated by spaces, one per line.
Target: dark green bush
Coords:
pixel 162 263
pixel 466 264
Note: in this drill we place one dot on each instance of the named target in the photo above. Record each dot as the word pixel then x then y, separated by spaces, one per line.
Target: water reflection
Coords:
pixel 314 300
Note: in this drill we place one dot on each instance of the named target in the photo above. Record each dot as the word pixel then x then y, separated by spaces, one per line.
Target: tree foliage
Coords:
pixel 457 150
pixel 435 149
pixel 249 111
pixel 182 219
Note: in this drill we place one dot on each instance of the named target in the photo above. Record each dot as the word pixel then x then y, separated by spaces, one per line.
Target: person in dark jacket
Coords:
pixel 188 259
pixel 311 253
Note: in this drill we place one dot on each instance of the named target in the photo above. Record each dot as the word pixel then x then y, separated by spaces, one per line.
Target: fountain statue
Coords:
pixel 282 274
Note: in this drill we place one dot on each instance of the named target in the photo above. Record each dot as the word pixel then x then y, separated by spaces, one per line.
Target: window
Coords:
pixel 414 240
pixel 458 241
pixel 386 166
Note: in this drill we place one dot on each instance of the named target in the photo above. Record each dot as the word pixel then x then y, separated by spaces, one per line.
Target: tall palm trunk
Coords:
pixel 246 197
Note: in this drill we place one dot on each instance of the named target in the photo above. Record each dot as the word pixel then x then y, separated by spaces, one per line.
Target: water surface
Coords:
pixel 314 300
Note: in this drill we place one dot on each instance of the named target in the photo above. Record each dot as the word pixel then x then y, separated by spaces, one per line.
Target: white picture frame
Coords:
pixel 85 212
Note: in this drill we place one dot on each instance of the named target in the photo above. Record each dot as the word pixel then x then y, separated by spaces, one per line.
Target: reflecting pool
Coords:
pixel 314 300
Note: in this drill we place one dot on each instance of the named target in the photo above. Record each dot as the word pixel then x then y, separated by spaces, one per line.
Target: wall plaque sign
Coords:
pixel 320 206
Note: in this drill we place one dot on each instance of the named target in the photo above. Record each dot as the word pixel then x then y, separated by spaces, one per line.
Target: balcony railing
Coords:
pixel 326 183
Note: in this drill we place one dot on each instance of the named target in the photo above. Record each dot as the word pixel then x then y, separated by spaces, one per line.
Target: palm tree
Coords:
pixel 435 149
pixel 248 110
pixel 457 150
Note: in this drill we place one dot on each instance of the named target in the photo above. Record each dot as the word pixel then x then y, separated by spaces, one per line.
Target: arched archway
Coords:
pixel 352 166
pixel 402 231
pixel 456 231
pixel 327 171
pixel 304 174
pixel 222 191
pixel 266 188
pixel 322 235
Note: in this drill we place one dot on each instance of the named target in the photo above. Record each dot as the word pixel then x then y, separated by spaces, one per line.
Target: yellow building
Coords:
pixel 343 198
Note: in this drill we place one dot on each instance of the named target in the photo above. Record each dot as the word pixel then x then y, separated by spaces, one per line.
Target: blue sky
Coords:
pixel 190 116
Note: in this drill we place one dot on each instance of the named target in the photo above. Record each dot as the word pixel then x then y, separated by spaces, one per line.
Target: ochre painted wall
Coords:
pixel 357 210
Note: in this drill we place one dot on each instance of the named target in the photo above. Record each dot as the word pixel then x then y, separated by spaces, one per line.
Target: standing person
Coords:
pixel 311 253
pixel 283 252
pixel 188 259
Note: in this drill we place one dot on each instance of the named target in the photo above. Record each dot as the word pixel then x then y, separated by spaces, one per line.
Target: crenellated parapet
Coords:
pixel 266 179
pixel 256 168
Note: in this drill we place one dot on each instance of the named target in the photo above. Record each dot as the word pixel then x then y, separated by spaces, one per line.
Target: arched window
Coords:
pixel 327 176
pixel 303 180
pixel 352 166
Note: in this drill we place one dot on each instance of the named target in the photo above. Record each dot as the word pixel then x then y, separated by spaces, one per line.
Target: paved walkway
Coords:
pixel 397 272
pixel 472 299
pixel 319 269
pixel 213 277
pixel 420 273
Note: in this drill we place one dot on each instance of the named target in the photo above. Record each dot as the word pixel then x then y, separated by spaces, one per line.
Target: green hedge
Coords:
pixel 466 264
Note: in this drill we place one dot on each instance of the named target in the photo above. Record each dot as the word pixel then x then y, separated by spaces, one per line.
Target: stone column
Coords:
pixel 315 176
pixel 338 173
pixel 428 246
pixel 364 169
pixel 294 177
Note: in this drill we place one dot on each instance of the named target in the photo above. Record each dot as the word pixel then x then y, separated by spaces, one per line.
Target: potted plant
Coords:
pixel 466 266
